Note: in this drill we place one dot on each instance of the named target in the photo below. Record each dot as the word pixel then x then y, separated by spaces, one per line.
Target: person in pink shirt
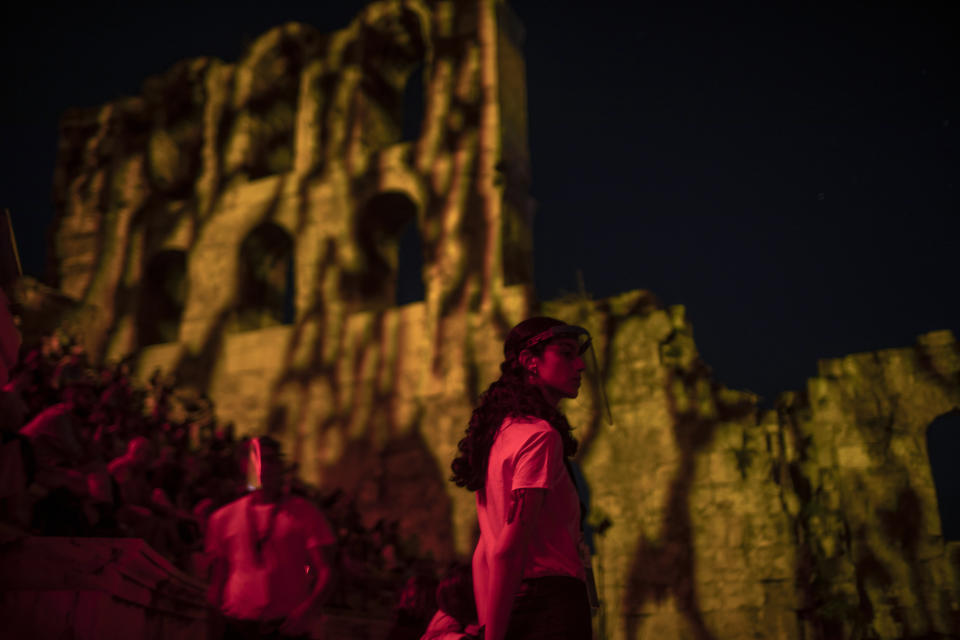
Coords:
pixel 270 556
pixel 528 569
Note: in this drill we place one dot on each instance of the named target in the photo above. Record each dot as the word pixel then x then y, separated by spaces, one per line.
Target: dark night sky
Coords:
pixel 788 174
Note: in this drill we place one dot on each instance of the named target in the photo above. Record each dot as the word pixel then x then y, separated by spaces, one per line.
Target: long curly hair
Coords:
pixel 511 395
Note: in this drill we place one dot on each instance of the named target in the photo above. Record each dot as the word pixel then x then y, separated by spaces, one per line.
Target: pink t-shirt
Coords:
pixel 272 588
pixel 528 454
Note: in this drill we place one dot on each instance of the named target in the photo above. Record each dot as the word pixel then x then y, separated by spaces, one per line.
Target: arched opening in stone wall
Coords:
pixel 265 287
pixel 414 100
pixel 372 282
pixel 943 444
pixel 163 291
pixel 410 266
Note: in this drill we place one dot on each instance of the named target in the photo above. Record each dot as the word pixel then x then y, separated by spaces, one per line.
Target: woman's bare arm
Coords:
pixel 481 580
pixel 508 558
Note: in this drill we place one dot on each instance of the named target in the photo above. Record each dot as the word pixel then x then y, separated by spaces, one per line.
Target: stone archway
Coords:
pixel 371 282
pixel 265 285
pixel 163 292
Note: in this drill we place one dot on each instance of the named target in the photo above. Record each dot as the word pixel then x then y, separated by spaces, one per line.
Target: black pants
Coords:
pixel 551 608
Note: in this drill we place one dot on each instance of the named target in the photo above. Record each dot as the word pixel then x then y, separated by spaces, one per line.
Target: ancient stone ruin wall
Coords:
pixel 860 495
pixel 238 225
pixel 818 520
pixel 294 154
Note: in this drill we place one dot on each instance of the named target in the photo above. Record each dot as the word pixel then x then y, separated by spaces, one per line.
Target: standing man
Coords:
pixel 270 556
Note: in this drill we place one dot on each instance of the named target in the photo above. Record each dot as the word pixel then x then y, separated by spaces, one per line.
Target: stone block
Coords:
pixel 742 593
pixel 732 624
pixel 854 457
pixel 778 622
pixel 669 624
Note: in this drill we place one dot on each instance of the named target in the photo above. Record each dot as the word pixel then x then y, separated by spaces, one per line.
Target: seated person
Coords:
pixel 56 449
pixel 130 472
pixel 417 601
pixel 140 514
pixel 456 619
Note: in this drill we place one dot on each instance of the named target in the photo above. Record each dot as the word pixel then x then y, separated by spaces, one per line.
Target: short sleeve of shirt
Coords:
pixel 538 461
pixel 317 530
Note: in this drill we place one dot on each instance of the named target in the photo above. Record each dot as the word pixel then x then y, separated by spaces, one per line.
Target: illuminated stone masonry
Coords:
pixel 239 225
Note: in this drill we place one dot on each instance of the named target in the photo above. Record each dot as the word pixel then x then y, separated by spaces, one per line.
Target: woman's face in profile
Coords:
pixel 559 368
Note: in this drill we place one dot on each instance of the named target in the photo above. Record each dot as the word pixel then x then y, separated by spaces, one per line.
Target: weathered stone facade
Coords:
pixel 238 224
pixel 183 211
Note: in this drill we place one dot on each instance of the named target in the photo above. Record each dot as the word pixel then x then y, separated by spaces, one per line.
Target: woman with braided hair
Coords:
pixel 528 572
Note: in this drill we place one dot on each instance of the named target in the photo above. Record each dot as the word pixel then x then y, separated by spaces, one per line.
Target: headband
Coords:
pixel 559 331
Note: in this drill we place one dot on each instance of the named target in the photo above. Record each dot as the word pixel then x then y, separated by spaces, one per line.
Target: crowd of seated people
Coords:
pixel 86 451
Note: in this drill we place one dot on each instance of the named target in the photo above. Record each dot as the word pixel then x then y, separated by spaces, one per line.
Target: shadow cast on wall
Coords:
pixel 667 568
